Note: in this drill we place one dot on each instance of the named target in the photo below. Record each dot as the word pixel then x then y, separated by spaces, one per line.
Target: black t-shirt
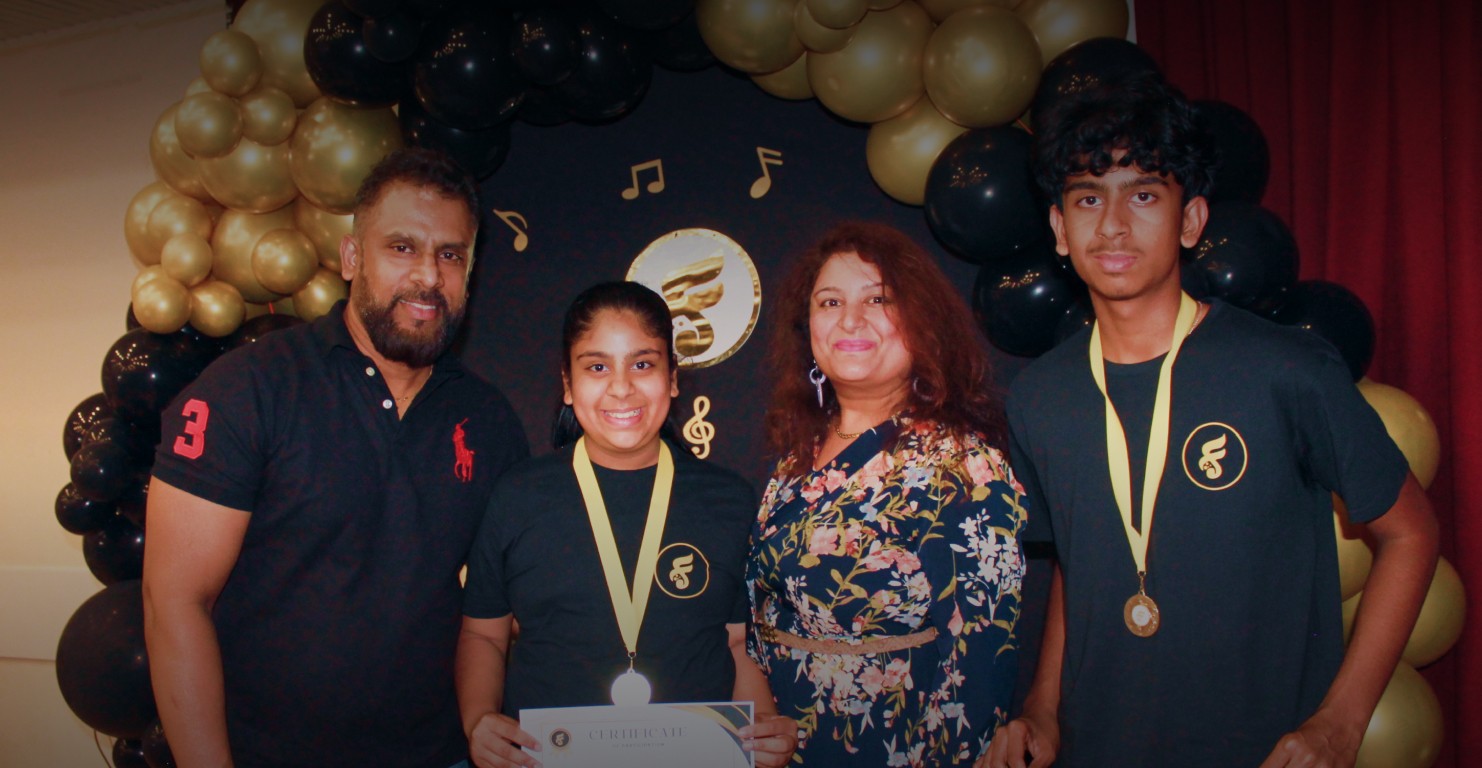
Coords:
pixel 1265 424
pixel 339 621
pixel 535 557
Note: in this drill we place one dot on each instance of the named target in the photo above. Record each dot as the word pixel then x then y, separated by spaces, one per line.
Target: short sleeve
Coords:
pixel 484 594
pixel 212 436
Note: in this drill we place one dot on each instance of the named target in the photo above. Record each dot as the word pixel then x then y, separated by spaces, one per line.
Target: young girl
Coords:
pixel 614 507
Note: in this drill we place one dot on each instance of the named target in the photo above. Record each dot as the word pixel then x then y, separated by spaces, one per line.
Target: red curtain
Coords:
pixel 1373 112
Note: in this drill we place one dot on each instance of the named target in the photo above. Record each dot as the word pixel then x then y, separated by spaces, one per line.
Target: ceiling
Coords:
pixel 21 20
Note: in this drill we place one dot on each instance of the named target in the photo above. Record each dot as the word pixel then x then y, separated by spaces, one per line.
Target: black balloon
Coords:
pixel 1244 156
pixel 647 14
pixel 129 753
pixel 255 328
pixel 83 419
pixel 342 65
pixel 679 47
pixel 612 75
pixel 429 9
pixel 101 470
pixel 1086 65
pixel 120 433
pixel 981 202
pixel 1077 316
pixel 373 9
pixel 156 748
pixel 393 38
pixel 115 551
pixel 102 667
pixel 1191 279
pixel 1020 302
pixel 143 371
pixel 479 151
pixel 1335 314
pixel 545 46
pixel 464 74
pixel 130 320
pixel 78 514
pixel 1247 256
pixel 542 107
pixel 133 501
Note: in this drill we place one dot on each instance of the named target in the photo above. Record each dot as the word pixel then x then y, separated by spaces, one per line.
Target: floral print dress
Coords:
pixel 908 528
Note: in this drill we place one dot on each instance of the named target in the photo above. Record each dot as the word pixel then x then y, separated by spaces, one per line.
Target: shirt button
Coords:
pixel 387 404
pixel 369 371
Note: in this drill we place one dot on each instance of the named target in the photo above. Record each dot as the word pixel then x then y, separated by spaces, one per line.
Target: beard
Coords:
pixel 419 346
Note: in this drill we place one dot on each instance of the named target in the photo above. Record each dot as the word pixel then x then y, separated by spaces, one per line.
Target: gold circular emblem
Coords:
pixel 1141 615
pixel 1214 456
pixel 712 288
pixel 683 571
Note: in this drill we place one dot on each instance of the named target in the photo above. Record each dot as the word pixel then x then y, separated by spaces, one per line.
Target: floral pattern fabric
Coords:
pixel 908 528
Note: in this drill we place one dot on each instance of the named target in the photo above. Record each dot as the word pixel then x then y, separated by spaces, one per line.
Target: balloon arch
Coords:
pixel 258 163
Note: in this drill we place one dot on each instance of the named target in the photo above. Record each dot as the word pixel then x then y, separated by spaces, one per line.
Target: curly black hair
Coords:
pixel 1141 114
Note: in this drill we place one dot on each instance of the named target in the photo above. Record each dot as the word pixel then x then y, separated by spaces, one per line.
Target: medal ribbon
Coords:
pixel 628 609
pixel 1118 464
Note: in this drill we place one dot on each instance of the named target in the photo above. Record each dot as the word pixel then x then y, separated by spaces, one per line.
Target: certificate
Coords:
pixel 641 736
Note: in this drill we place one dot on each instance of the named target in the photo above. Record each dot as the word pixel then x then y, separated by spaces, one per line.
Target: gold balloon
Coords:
pixel 334 148
pixel 981 67
pixel 790 82
pixel 283 260
pixel 162 305
pixel 146 275
pixel 1441 617
pixel 939 10
pixel 754 36
pixel 1060 24
pixel 170 160
pixel 136 220
pixel 878 74
pixel 216 308
pixel 1409 426
pixel 175 215
pixel 251 178
pixel 817 37
pixel 1406 727
pixel 322 291
pixel 195 86
pixel 279 28
pixel 208 124
pixel 900 151
pixel 268 116
pixel 236 235
pixel 1355 558
pixel 883 5
pixel 324 229
pixel 836 14
pixel 186 258
pixel 230 62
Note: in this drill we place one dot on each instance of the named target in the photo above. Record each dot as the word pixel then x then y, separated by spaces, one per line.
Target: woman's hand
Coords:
pixel 495 742
pixel 773 738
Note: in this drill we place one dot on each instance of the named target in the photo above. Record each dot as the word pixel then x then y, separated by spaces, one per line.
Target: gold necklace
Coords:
pixel 847 435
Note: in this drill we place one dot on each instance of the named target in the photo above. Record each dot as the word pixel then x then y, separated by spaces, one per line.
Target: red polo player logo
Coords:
pixel 463 466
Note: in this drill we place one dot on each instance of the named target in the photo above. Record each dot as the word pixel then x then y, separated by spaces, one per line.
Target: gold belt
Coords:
pixel 884 644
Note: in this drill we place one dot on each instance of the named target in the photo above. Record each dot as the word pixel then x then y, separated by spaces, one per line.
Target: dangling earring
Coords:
pixel 816 378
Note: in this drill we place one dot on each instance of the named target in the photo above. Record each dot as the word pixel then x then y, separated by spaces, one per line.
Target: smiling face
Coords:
pixel 1122 231
pixel 408 261
pixel 852 329
pixel 619 383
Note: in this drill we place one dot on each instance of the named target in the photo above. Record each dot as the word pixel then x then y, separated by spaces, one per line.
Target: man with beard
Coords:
pixel 314 498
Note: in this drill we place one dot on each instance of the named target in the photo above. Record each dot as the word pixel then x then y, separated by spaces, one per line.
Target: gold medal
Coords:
pixel 1141 615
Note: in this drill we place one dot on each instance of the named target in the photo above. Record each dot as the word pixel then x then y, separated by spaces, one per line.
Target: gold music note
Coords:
pixel 686 292
pixel 699 431
pixel 654 187
pixel 522 240
pixel 763 185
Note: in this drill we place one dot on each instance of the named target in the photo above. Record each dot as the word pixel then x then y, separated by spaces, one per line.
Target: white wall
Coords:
pixel 74 148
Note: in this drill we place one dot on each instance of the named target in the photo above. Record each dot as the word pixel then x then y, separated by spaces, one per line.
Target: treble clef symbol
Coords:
pixel 699 431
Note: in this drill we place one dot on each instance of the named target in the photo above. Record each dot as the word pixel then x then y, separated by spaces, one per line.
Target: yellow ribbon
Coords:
pixel 628 609
pixel 1117 462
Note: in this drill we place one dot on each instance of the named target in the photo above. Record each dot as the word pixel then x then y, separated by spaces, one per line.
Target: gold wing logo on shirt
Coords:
pixel 683 571
pixel 1209 457
pixel 1215 456
pixel 689 290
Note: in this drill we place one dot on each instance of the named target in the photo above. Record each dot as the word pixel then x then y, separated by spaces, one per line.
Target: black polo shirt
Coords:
pixel 339 621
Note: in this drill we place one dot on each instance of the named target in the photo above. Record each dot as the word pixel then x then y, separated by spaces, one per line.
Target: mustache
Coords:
pixel 422 297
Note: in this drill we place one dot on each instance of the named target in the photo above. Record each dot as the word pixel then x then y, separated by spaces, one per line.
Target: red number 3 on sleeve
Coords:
pixel 193 443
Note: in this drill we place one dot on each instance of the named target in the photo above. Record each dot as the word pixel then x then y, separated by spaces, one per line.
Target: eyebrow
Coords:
pixel 599 354
pixel 1096 185
pixel 868 287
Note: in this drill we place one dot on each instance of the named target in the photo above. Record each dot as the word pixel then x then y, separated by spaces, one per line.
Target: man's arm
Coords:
pixel 494 739
pixel 193 545
pixel 1405 549
pixel 1037 729
pixel 774 737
